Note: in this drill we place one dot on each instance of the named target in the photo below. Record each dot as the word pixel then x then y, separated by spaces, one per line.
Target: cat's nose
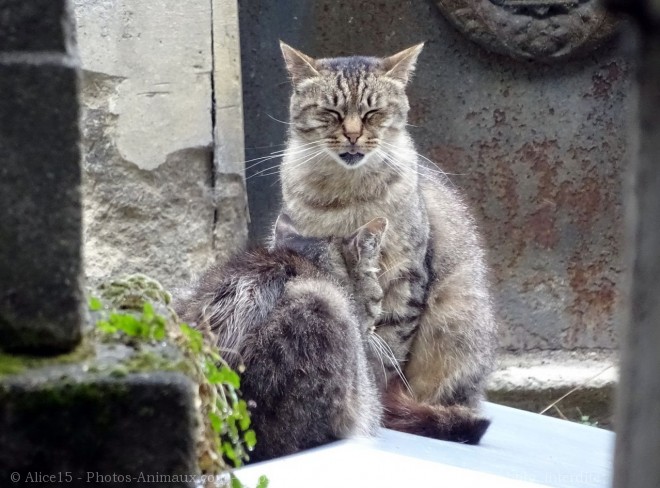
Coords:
pixel 352 128
pixel 352 136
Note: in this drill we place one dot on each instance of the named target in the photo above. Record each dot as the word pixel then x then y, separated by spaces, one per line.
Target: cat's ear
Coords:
pixel 365 242
pixel 285 229
pixel 401 66
pixel 300 66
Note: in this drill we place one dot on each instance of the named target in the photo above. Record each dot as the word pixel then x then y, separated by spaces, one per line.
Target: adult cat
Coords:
pixel 349 158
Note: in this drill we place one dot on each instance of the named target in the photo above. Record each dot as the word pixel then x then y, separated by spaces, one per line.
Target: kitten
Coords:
pixel 299 316
pixel 349 158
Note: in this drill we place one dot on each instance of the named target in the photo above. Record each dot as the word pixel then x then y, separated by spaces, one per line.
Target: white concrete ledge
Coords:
pixel 520 450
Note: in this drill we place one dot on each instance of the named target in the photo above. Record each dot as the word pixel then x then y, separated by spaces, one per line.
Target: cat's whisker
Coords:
pixel 434 169
pixel 285 152
pixel 313 156
pixel 391 163
pixel 265 172
pixel 422 171
pixel 276 158
pixel 299 155
pixel 379 352
pixel 280 121
pixel 392 359
pixel 270 168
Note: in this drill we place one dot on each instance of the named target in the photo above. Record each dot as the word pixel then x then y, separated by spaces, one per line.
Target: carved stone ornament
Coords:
pixel 542 30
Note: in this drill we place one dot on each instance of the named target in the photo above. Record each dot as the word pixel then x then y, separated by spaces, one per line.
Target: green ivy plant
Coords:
pixel 127 311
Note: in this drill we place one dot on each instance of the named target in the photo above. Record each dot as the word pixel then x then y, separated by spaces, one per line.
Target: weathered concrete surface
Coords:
pixel 229 154
pixel 538 150
pixel 95 431
pixel 535 380
pixel 41 303
pixel 148 137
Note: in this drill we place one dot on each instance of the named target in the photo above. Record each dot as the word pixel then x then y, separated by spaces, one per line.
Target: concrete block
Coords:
pixel 35 25
pixel 40 222
pixel 98 431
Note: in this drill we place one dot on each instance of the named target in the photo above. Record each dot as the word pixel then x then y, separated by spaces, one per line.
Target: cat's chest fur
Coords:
pixel 333 202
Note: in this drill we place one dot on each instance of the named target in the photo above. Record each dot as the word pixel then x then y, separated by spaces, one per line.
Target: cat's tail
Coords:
pixel 453 423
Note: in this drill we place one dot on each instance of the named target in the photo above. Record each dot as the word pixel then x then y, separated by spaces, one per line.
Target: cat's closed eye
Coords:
pixel 335 114
pixel 369 115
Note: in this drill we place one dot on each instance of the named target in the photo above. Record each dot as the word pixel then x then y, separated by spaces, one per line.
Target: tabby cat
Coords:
pixel 349 158
pixel 299 316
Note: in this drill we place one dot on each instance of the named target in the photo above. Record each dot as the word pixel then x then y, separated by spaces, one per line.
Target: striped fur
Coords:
pixel 349 158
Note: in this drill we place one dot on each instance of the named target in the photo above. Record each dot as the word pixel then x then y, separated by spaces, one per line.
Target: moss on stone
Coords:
pixel 57 393
pixel 11 364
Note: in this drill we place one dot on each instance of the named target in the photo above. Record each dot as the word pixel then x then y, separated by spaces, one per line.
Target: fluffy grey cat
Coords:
pixel 297 316
pixel 300 317
pixel 350 158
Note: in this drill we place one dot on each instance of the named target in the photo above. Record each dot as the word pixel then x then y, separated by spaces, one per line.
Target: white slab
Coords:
pixel 520 450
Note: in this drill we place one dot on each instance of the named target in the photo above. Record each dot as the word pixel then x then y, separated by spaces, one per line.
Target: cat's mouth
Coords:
pixel 351 158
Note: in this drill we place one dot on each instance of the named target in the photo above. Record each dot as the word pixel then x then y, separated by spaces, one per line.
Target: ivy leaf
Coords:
pixel 229 451
pixel 250 439
pixel 195 338
pixel 216 422
pixel 236 483
pixel 263 482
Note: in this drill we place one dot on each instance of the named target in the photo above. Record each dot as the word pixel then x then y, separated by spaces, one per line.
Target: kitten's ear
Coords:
pixel 366 241
pixel 401 66
pixel 300 66
pixel 284 229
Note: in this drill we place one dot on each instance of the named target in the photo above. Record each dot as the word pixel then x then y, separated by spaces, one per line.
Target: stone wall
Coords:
pixel 149 111
pixel 539 149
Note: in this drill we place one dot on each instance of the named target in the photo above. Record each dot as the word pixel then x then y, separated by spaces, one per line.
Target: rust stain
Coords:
pixel 604 80
pixel 541 227
pixel 594 299
pixel 448 158
pixel 538 200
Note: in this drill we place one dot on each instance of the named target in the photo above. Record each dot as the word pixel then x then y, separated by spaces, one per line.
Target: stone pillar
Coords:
pixel 147 137
pixel 229 155
pixel 40 203
pixel 638 410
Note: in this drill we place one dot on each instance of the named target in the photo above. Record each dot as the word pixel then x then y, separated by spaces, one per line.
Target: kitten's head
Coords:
pixel 350 106
pixel 349 258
